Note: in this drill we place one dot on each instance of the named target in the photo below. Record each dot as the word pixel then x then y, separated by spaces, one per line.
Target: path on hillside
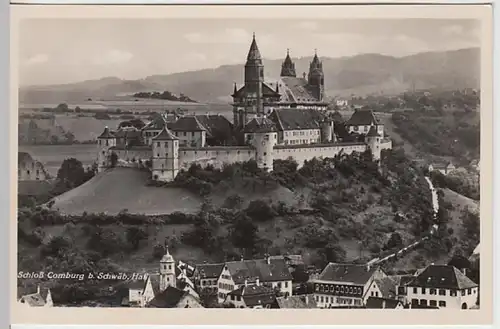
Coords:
pixel 435 205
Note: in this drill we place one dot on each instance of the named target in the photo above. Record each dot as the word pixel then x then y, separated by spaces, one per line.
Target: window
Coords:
pixel 453 292
pixel 432 303
pixel 442 303
pixel 28 172
pixel 415 290
pixel 158 144
pixel 469 291
pixel 286 284
pixel 423 291
pixel 432 291
pixel 184 133
pixel 414 301
pixel 192 134
pixel 322 299
pixel 463 292
pixel 423 302
pixel 265 153
pixel 442 292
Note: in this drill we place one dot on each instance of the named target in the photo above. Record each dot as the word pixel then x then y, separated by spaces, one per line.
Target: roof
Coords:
pixel 165 135
pixel 351 273
pixel 156 124
pixel 260 125
pixel 297 119
pixel 136 284
pixel 378 302
pixel 337 117
pixel 253 52
pixel 169 298
pixel 254 295
pixel 215 124
pixel 267 91
pixel 167 258
pixel 442 277
pixel 387 286
pixel 373 132
pixel 299 301
pixel 276 270
pixel 292 260
pixel 296 90
pixel 187 123
pixel 106 134
pixel 155 283
pixel 33 300
pixel 441 165
pixel 362 117
pixel 401 280
pixel 208 271
pixel 128 133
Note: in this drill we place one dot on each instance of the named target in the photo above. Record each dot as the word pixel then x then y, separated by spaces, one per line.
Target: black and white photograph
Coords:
pixel 251 163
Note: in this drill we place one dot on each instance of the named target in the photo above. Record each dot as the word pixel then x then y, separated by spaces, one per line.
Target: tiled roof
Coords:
pixel 300 301
pixel 442 277
pixel 260 125
pixel 296 90
pixel 128 133
pixel 377 302
pixel 209 271
pixel 169 298
pixel 156 124
pixel 254 295
pixel 187 123
pixel 373 132
pixel 215 124
pixel 387 286
pixel 351 273
pixel 106 134
pixel 362 117
pixel 165 135
pixel 290 259
pixel 267 91
pixel 155 283
pixel 276 270
pixel 297 119
pixel 136 284
pixel 401 280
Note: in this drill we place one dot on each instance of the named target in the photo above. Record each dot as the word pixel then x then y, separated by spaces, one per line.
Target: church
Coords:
pixel 259 97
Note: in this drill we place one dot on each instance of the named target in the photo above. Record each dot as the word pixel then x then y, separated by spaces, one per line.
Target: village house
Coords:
pixel 346 285
pixel 440 286
pixel 273 273
pixel 41 298
pixel 252 296
pixel 207 277
pixel 174 298
pixel 384 303
pixel 361 122
pixel 298 301
pixel 443 168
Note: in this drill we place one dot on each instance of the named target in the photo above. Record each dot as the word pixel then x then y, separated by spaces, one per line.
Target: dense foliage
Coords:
pixel 164 95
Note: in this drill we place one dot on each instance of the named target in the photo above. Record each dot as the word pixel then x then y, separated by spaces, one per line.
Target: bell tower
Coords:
pixel 167 271
pixel 254 78
pixel 316 78
pixel 288 67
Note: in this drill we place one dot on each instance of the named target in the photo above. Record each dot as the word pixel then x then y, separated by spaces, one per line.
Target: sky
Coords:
pixel 58 51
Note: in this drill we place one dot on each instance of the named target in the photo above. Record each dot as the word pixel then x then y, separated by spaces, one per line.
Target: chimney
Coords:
pixel 383 303
pixel 38 289
pixel 257 282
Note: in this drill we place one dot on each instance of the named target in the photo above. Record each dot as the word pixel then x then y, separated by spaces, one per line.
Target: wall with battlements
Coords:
pixel 215 156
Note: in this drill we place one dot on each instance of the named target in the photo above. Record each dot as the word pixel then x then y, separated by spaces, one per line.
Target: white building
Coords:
pixel 443 286
pixel 341 285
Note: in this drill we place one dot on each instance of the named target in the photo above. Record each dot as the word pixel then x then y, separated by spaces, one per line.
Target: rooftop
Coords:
pixel 442 277
pixel 349 273
pixel 276 270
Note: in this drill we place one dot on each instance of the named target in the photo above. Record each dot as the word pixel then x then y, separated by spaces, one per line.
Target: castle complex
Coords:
pixel 277 120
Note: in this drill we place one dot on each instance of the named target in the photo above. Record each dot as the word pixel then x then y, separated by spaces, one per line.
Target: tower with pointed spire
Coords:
pixel 316 78
pixel 288 67
pixel 167 271
pixel 254 78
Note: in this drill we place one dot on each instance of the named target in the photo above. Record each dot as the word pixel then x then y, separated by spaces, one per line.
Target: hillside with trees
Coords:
pixel 166 95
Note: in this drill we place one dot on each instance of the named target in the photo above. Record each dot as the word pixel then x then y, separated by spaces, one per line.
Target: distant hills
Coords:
pixel 359 75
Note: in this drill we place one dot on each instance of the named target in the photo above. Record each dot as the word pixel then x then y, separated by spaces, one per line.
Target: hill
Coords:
pixel 122 188
pixel 360 75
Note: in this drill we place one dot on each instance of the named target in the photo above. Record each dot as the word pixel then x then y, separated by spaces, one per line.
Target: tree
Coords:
pixel 233 201
pixel 135 235
pixel 460 262
pixel 395 241
pixel 71 174
pixel 243 233
pixel 260 210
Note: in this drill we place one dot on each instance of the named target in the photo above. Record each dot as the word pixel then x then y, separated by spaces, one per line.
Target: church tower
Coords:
pixel 316 79
pixel 288 67
pixel 167 271
pixel 254 78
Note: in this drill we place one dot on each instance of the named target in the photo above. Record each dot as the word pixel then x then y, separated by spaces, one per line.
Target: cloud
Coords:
pixel 308 25
pixel 113 56
pixel 36 59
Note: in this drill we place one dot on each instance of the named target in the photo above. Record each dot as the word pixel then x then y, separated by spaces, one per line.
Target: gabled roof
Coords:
pixel 187 123
pixel 169 298
pixel 387 286
pixel 373 132
pixel 136 284
pixel 349 273
pixel 276 270
pixel 297 90
pixel 362 117
pixel 209 271
pixel 254 295
pixel 292 260
pixel 106 134
pixel 300 301
pixel 297 119
pixel 442 277
pixel 33 300
pixel 155 283
pixel 267 91
pixel 215 124
pixel 165 135
pixel 156 124
pixel 377 302
pixel 260 125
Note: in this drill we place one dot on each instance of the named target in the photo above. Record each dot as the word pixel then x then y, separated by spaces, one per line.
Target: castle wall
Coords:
pixel 301 153
pixel 215 156
pixel 191 138
pixel 304 136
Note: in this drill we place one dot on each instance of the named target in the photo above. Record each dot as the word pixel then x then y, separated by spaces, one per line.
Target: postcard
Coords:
pixel 232 164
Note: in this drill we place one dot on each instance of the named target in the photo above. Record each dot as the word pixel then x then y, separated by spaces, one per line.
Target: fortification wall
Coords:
pixel 215 156
pixel 386 144
pixel 133 158
pixel 307 152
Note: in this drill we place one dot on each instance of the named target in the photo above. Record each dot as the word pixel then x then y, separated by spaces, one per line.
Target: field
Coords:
pixel 53 155
pixel 123 188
